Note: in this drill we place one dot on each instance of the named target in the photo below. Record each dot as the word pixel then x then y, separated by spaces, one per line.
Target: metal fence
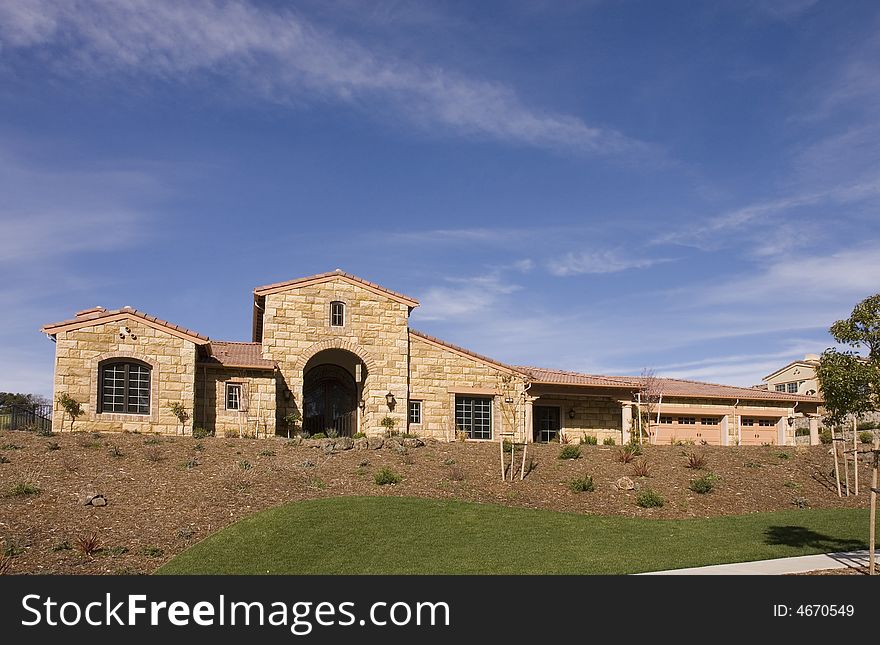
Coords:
pixel 26 417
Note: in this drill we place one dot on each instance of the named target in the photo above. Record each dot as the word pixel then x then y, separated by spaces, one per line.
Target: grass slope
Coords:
pixel 401 535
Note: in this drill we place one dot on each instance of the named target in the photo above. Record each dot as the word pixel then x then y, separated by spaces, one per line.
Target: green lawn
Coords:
pixel 392 535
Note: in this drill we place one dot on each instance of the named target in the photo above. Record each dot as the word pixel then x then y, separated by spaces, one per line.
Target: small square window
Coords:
pixel 665 419
pixel 748 422
pixel 709 421
pixel 337 314
pixel 688 421
pixel 780 387
pixel 767 423
pixel 415 412
pixel 233 396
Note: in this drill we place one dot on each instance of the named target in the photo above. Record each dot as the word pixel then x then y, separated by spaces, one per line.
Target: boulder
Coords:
pixel 86 498
pixel 98 500
pixel 625 483
pixel 344 443
pixel 362 443
pixel 376 442
pixel 413 442
pixel 296 440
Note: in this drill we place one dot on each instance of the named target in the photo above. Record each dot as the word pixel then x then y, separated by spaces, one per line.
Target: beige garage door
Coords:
pixel 757 434
pixel 668 433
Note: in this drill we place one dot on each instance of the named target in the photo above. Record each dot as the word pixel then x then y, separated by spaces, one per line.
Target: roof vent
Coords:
pixel 93 310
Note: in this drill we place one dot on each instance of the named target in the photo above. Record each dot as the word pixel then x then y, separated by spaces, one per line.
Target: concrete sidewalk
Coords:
pixel 800 564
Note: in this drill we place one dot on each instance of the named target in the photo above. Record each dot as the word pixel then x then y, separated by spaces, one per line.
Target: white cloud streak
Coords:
pixel 283 58
pixel 463 298
pixel 598 262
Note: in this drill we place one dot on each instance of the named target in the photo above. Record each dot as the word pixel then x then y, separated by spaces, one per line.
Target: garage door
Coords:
pixel 759 432
pixel 697 432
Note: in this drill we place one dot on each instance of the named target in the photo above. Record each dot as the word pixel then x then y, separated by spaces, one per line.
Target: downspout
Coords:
pixel 522 468
pixel 738 426
pixel 792 421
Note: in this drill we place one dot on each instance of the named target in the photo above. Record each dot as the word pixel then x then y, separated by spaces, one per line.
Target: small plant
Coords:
pixel 649 499
pixel 308 463
pixel 317 482
pixel 116 452
pixel 570 452
pixel 45 431
pixel 185 533
pixel 363 463
pixel 388 423
pixel 506 445
pixel 456 474
pixel 152 441
pixel 11 446
pixel 115 551
pixel 634 448
pixel 449 461
pixel 624 456
pixel 23 489
pixel 564 439
pixel 86 441
pixel 462 435
pixel 200 433
pixel 589 440
pixel 641 468
pixel 387 476
pixel 695 460
pixel 191 463
pixel 267 453
pixel 825 436
pixel 64 545
pixel 702 485
pixel 180 413
pixel 199 446
pixel 291 420
pixel 783 455
pixel 359 435
pixel 752 464
pixel 231 433
pixel 152 551
pixel 4 459
pixel 866 436
pixel 609 441
pixel 244 464
pixel 800 502
pixel 319 435
pixel 53 445
pixel 153 454
pixel 332 434
pixel 792 485
pixel 71 407
pixel 88 544
pixel 12 548
pixel 582 485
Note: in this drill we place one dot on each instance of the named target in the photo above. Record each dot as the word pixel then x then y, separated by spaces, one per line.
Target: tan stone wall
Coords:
pixel 297 325
pixel 599 417
pixel 437 373
pixel 78 352
pixel 257 416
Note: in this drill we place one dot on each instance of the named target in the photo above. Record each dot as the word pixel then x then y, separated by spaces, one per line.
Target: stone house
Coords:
pixel 798 377
pixel 339 351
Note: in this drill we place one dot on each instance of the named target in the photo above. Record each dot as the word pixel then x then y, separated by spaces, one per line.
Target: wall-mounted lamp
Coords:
pixel 389 399
pixel 508 399
pixel 362 404
pixel 790 421
pixel 571 413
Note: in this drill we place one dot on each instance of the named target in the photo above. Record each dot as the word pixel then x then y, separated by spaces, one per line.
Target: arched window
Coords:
pixel 124 386
pixel 337 314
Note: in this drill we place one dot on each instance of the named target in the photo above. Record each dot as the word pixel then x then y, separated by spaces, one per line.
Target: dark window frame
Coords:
pixel 414 404
pixel 710 421
pixel 126 364
pixel 471 409
pixel 687 421
pixel 240 387
pixel 337 313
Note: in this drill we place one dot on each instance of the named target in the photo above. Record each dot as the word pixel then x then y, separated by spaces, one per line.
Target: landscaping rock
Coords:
pixel 625 483
pixel 344 443
pixel 362 444
pixel 312 443
pixel 86 498
pixel 98 500
pixel 295 440
pixel 413 442
pixel 327 444
pixel 376 442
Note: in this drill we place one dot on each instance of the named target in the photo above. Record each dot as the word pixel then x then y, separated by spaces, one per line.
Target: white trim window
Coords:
pixel 337 314
pixel 415 413
pixel 233 396
pixel 766 423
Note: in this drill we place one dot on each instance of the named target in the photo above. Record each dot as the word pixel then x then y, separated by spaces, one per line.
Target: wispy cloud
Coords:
pixel 282 57
pixel 603 261
pixel 461 298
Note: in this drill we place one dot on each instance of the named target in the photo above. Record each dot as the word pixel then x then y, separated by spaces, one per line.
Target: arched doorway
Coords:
pixel 330 400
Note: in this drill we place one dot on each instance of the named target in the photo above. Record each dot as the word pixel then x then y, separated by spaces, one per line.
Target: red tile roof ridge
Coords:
pixel 97 316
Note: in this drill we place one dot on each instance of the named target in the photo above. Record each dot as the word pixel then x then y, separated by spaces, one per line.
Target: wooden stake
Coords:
pixel 512 457
pixel 873 530
pixel 522 468
pixel 856 454
pixel 836 468
pixel 501 452
pixel 845 461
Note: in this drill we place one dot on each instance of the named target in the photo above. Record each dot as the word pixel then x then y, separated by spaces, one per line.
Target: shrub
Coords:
pixel 609 441
pixel 153 454
pixel 582 485
pixel 589 440
pixel 702 485
pixel 23 489
pixel 506 445
pixel 4 459
pixel 624 456
pixel 570 452
pixel 64 545
pixel 800 502
pixel 641 467
pixel 449 461
pixel 783 455
pixel 152 551
pixel 267 453
pixel 866 436
pixel 869 425
pixel 825 435
pixel 649 499
pixel 88 544
pixel 319 435
pixel 388 423
pixel 45 431
pixel 695 460
pixel 231 433
pixel 244 464
pixel 53 445
pixel 152 441
pixel 634 448
pixel 191 463
pixel 359 435
pixel 116 452
pixel 200 433
pixel 332 434
pixel 387 476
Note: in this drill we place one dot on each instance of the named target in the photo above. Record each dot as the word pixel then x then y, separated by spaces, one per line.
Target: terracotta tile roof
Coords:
pixel 466 352
pixel 235 354
pixel 325 277
pixel 670 386
pixel 98 314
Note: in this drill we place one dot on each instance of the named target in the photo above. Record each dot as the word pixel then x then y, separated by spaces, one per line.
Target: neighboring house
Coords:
pixel 339 350
pixel 798 377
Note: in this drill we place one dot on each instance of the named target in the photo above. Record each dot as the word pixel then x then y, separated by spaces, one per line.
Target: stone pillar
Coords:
pixel 814 431
pixel 626 416
pixel 527 420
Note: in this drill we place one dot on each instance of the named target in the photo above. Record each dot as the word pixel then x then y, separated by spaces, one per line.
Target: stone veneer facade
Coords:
pixel 376 347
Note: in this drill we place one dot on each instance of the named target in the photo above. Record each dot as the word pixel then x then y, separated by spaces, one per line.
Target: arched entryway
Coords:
pixel 332 386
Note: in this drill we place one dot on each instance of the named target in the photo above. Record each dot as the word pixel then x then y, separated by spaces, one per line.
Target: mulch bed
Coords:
pixel 166 493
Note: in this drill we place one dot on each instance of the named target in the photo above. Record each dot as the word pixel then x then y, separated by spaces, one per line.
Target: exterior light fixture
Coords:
pixel 362 404
pixel 790 421
pixel 508 399
pixel 389 399
pixel 571 413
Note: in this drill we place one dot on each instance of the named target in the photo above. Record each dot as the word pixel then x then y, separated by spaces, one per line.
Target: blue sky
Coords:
pixel 598 186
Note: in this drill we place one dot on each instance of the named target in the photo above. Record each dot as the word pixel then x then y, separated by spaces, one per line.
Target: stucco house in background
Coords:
pixel 339 350
pixel 798 377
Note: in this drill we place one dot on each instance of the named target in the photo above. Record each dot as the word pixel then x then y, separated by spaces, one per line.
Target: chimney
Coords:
pixel 93 310
pixel 811 357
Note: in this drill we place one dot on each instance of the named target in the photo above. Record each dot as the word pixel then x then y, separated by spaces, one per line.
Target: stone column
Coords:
pixel 814 431
pixel 625 420
pixel 527 420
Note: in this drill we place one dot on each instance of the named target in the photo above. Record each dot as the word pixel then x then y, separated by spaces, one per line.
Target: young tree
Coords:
pixel 71 407
pixel 180 414
pixel 650 396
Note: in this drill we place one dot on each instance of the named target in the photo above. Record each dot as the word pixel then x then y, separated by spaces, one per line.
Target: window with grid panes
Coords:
pixel 473 415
